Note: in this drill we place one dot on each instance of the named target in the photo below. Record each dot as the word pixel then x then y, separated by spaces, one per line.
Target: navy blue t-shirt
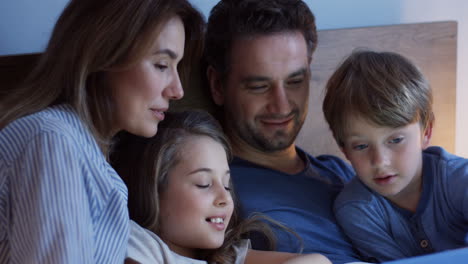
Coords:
pixel 303 202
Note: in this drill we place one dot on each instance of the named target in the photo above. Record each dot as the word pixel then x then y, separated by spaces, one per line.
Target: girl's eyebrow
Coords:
pixel 200 170
pixel 205 170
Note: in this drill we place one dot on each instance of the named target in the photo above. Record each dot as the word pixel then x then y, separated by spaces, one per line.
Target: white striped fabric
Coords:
pixel 60 201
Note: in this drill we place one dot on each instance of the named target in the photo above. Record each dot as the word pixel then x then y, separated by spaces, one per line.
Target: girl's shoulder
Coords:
pixel 145 246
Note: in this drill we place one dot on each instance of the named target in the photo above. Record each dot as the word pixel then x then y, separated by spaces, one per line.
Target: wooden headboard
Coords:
pixel 431 46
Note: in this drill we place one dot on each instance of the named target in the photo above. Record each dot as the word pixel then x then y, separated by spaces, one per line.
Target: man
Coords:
pixel 259 54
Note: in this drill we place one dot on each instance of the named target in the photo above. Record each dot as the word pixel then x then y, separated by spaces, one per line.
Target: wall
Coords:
pixel 25 26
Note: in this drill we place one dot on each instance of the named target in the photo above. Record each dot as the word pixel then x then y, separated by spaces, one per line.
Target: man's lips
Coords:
pixel 276 121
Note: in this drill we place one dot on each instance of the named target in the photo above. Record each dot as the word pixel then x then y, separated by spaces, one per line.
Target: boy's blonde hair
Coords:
pixel 384 88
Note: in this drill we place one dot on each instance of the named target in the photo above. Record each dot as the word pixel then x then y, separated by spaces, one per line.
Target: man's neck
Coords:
pixel 286 160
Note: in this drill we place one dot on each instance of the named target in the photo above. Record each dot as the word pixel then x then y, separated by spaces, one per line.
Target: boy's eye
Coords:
pixel 396 140
pixel 359 147
pixel 202 186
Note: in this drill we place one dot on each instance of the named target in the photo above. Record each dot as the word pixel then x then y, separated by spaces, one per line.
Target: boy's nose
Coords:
pixel 380 157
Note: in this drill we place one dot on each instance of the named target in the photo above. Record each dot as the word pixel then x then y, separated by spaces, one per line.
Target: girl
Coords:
pixel 109 66
pixel 181 198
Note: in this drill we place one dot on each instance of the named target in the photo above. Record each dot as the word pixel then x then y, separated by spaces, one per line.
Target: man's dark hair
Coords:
pixel 232 19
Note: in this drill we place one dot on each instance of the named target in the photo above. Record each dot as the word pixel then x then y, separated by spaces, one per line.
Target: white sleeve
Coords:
pixel 145 247
pixel 241 251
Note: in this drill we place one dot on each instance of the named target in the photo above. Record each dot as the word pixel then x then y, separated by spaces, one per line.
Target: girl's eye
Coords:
pixel 396 140
pixel 202 186
pixel 360 147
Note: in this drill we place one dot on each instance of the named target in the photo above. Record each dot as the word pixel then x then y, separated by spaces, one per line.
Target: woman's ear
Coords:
pixel 216 87
pixel 427 135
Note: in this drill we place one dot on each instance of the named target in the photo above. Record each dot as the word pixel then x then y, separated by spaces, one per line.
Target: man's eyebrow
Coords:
pixel 301 71
pixel 168 52
pixel 249 79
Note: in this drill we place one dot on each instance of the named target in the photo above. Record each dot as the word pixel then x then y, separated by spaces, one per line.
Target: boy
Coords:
pixel 408 199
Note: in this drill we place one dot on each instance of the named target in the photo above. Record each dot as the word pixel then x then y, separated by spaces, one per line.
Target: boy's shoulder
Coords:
pixel 354 192
pixel 441 159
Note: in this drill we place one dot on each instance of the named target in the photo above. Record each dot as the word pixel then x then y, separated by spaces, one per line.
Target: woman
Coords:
pixel 109 66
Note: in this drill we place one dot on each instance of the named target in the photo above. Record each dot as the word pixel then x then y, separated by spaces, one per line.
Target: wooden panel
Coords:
pixel 431 46
pixel 13 70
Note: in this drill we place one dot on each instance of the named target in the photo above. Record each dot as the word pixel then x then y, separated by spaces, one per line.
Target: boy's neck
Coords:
pixel 409 197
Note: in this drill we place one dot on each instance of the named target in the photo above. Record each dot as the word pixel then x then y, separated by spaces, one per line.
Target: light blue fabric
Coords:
pixel 60 201
pixel 303 202
pixel 381 230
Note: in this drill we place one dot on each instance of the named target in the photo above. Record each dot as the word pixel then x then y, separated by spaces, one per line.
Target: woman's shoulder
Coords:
pixel 58 124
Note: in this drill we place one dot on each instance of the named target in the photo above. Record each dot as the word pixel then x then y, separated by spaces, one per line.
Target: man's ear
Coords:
pixel 216 87
pixel 426 140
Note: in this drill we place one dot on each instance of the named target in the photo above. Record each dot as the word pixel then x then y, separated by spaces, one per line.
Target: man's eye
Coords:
pixel 295 81
pixel 257 87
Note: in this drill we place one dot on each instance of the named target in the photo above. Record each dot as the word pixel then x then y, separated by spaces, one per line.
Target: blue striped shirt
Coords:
pixel 60 201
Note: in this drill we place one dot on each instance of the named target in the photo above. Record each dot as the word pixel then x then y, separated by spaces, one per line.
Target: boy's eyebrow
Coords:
pixel 168 52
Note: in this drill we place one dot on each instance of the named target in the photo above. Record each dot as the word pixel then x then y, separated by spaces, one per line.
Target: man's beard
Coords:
pixel 280 140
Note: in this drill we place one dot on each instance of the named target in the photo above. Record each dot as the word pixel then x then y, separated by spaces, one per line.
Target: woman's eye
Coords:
pixel 228 188
pixel 160 67
pixel 202 186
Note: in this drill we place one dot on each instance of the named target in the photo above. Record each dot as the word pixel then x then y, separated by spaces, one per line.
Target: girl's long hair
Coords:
pixel 144 165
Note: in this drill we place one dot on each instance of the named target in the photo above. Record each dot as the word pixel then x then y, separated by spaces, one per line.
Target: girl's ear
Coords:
pixel 427 135
pixel 216 87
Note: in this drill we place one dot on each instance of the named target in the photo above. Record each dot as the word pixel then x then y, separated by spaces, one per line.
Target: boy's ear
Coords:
pixel 426 140
pixel 216 87
pixel 344 151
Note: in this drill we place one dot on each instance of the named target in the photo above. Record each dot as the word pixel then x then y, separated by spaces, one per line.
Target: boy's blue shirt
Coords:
pixel 302 201
pixel 381 230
